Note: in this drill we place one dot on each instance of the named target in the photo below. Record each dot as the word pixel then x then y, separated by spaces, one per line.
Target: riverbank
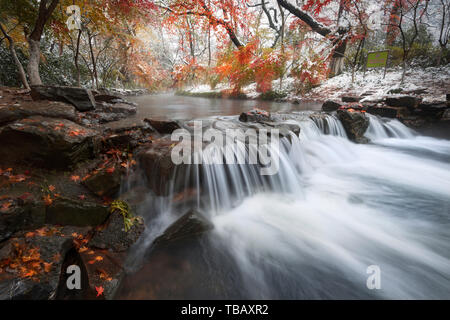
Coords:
pixel 431 83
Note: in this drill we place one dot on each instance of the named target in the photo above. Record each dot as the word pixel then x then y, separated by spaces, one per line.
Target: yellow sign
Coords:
pixel 377 59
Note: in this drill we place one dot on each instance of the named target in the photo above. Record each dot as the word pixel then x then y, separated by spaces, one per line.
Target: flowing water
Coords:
pixel 311 231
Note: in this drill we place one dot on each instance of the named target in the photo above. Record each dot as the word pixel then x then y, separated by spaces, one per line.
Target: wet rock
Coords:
pixel 383 111
pixel 64 211
pixel 158 166
pixel 32 263
pixel 330 106
pixel 355 124
pixel 106 273
pixel 350 99
pixel 189 225
pixel 46 109
pixel 163 126
pixel 106 98
pixel 20 215
pixel 106 112
pixel 255 115
pixel 114 236
pixel 409 102
pixel 432 111
pixel 46 142
pixel 81 99
pixel 105 182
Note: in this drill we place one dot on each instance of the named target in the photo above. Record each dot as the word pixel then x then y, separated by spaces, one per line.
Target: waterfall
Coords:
pixel 333 209
pixel 380 128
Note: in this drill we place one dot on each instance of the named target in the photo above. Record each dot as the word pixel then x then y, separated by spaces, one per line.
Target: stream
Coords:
pixel 312 230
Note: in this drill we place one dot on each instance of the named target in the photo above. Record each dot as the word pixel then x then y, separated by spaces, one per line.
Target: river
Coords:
pixel 335 210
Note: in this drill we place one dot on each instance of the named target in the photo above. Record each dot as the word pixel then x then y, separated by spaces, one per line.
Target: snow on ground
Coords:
pixel 434 81
pixel 430 83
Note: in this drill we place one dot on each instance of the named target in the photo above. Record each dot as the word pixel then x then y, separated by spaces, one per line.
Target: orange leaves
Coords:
pixel 52 188
pixel 104 275
pixel 76 132
pixel 75 178
pixel 97 258
pixel 25 261
pixel 48 200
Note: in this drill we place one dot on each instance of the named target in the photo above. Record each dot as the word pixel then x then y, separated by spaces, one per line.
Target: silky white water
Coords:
pixel 334 209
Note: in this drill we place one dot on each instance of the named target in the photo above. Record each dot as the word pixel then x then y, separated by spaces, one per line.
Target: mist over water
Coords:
pixel 334 209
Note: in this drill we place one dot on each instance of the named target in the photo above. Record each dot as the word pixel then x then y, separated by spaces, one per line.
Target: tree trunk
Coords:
pixel 94 62
pixel 33 62
pixel 12 48
pixel 77 53
pixel 34 39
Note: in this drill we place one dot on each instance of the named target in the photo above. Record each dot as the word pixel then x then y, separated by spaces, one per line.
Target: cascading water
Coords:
pixel 334 209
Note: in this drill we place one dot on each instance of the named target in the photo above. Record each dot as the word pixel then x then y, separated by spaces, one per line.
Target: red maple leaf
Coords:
pixel 99 291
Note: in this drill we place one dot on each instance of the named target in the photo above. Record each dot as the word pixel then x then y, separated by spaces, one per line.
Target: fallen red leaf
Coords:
pixel 99 290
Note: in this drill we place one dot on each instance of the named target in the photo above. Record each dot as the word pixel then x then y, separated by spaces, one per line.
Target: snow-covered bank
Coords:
pixel 432 84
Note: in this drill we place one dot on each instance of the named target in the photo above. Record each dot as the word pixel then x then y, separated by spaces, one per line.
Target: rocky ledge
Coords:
pixel 61 167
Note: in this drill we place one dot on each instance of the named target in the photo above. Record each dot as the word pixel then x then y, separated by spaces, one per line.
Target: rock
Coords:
pixel 432 111
pixel 355 124
pixel 46 142
pixel 106 98
pixel 330 106
pixel 64 211
pixel 409 102
pixel 350 99
pixel 106 273
pixel 255 115
pixel 163 126
pixel 115 237
pixel 383 111
pixel 45 109
pixel 32 263
pixel 80 98
pixel 189 225
pixel 105 182
pixel 158 166
pixel 19 216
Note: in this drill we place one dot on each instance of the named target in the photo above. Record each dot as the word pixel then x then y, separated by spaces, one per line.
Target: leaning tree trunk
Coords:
pixel 33 63
pixel 337 61
pixel 20 70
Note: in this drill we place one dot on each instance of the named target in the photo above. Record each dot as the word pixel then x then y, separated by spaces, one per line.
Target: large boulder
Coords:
pixel 80 98
pixel 189 225
pixel 163 126
pixel 355 124
pixel 114 236
pixel 383 111
pixel 255 115
pixel 47 142
pixel 409 102
pixel 433 111
pixel 46 109
pixel 330 106
pixel 68 212
pixel 109 98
